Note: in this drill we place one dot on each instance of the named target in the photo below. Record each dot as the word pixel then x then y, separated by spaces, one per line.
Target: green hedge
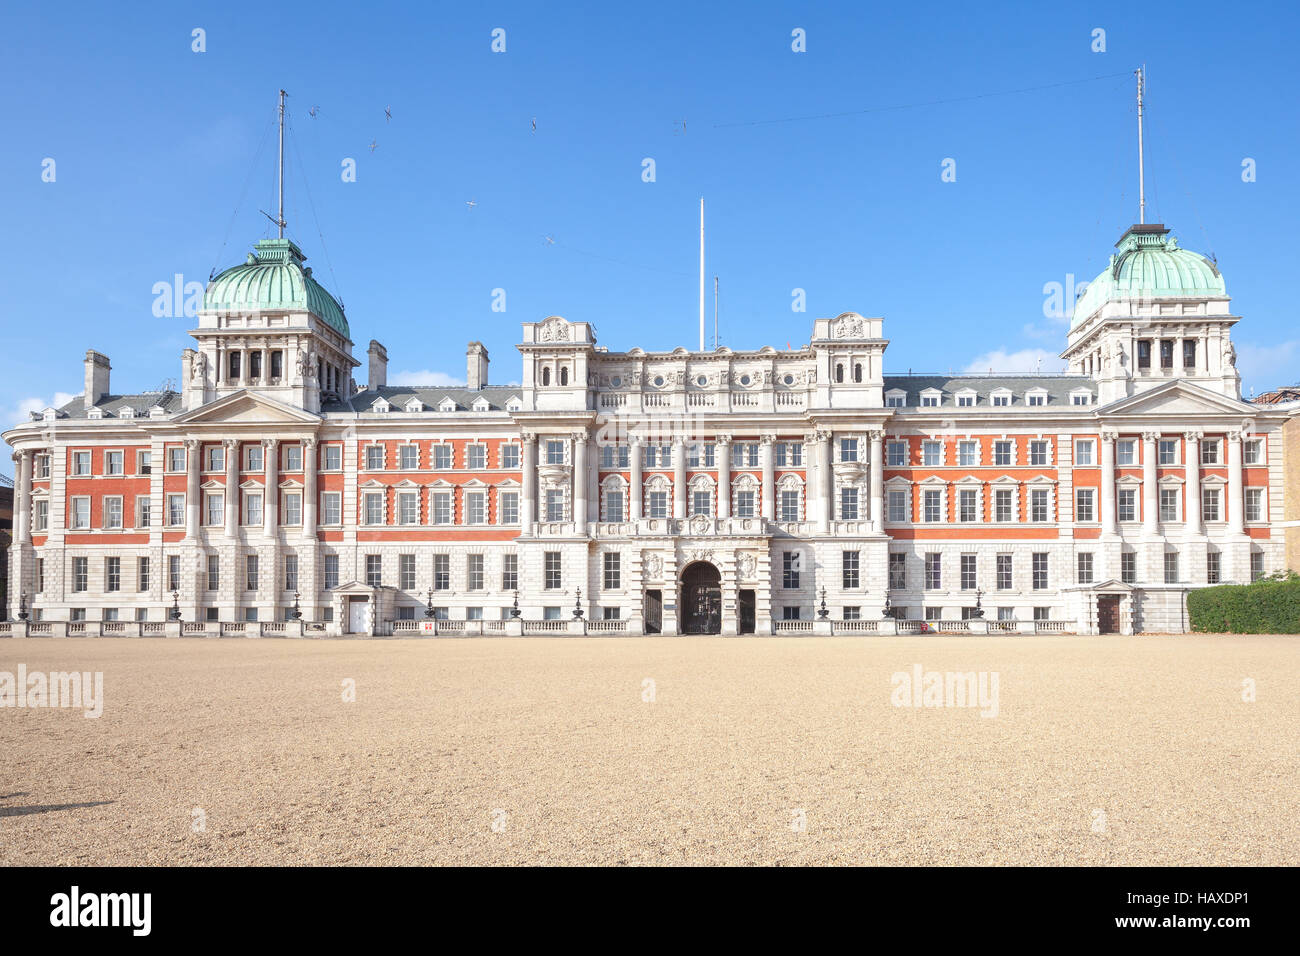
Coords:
pixel 1270 606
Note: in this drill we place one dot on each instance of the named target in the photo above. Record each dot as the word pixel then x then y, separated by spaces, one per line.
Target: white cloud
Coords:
pixel 1265 367
pixel 20 411
pixel 424 377
pixel 1024 362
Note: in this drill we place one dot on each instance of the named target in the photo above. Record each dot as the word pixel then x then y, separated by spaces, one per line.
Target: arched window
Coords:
pixel 839 372
pixel 546 376
pixel 564 376
pixel 857 371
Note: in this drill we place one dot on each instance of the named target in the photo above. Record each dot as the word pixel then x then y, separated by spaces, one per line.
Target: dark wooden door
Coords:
pixel 1108 614
pixel 654 611
pixel 746 612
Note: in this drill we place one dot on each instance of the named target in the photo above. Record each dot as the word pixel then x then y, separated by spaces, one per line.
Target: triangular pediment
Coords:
pixel 246 408
pixel 1178 399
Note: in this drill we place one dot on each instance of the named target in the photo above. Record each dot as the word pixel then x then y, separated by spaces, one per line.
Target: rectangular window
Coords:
pixel 1003 504
pixel 1168 451
pixel 700 504
pixel 291 572
pixel 791 564
pixel 331 572
pixel 250 572
pixel 1252 451
pixel 849 569
pixel 1212 567
pixel 509 572
pixel 933 571
pixel 1209 504
pixel 442 572
pixel 408 457
pixel 1004 572
pixel 331 508
pixel 1210 452
pixel 216 458
pixel 474 572
pixel 896 454
pixel 1171 567
pixel 442 507
pixel 374 570
pixel 1083 453
pixel 1189 353
pixel 333 458
pixel 1036 398
pixel 476 457
pixel 143 511
pixel 1042 614
pixel 42 520
pixel 214 511
pixel 113 513
pixel 789 506
pixel 897 570
pixel 1039 568
pixel 1254 504
pixel 1126 499
pixel 442 457
pixel 1038 452
pixel 848 504
pixel 175 459
pixel 932 502
pixel 1166 353
pixel 898 505
pixel 252 508
pixel 1002 453
pixel 1128 567
pixel 1001 401
pixel 657 504
pixel 476 508
pixel 173 572
pixel 80 574
pixel 406 572
pixel 848 449
pixel 81 463
pixel 408 507
pixel 292 509
pixel 967 501
pixel 1168 504
pixel 968 454
pixel 214 572
pixel 142 574
pixel 293 457
pixel 42 466
pixel 1256 565
pixel 852 613
pixel 931 453
pixel 555 452
pixel 1083 504
pixel 510 507
pixel 551 570
pixel 790 613
pixel 80 514
pixel 1038 505
pixel 374 457
pixel 1084 567
pixel 253 460
pixel 554 504
pixel 510 456
pixel 969 575
pixel 112 574
pixel 113 463
pixel 1125 453
pixel 613 571
pixel 374 502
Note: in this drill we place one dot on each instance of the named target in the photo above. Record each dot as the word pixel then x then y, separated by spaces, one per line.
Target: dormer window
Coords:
pixel 481 404
pixel 414 405
pixel 381 405
pixel 1001 397
pixel 514 404
pixel 1081 397
pixel 1036 396
pixel 446 405
pixel 895 398
pixel 931 398
pixel 966 398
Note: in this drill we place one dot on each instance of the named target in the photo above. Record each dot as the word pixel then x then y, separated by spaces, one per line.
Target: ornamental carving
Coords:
pixel 746 566
pixel 699 524
pixel 847 328
pixel 554 330
pixel 654 567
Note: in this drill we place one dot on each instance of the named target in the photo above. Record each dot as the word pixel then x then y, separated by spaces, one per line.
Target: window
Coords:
pixel 81 463
pixel 1125 452
pixel 293 457
pixel 1166 353
pixel 408 507
pixel 848 504
pixel 1039 570
pixel 933 571
pixel 852 613
pixel 1168 451
pixel 476 508
pixel 476 457
pixel 333 458
pixel 896 453
pixel 80 574
pixel 1144 353
pixel 931 454
pixel 1002 453
pixel 1256 565
pixel 1128 567
pixel 442 507
pixel 965 401
pixel 42 466
pixel 968 454
pixel 700 502
pixel 1209 504
pixel 791 563
pixel 967 509
pixel 1003 504
pixel 374 457
pixel 613 571
pixel 1171 567
pixel 331 572
pixel 175 459
pixel 849 569
pixel 214 509
pixel 214 572
pixel 1168 504
pixel 1042 614
pixel 331 508
pixel 374 502
pixel 894 401
pixel 113 463
pixel 848 449
pixel 1212 567
pixel 657 504
pixel 374 570
pixel 1080 398
pixel 408 457
pixel 897 505
pixel 554 504
pixel 1038 452
pixel 930 401
pixel 173 572
pixel 1001 399
pixel 510 456
pixel 897 570
pixel 1083 453
pixel 743 455
pixel 933 613
pixel 932 505
pixel 113 513
pixel 474 572
pixel 442 572
pixel 112 574
pixel 789 613
pixel 473 614
pixel 789 506
pixel 253 460
pixel 509 572
pixel 788 455
pixel 1189 353
pixel 1254 504
pixel 292 508
pixel 143 511
pixel 551 570
pixel 510 507
pixel 1210 452
pixel 555 452
pixel 1084 567
pixel 1253 451
pixel 291 572
pixel 1036 398
pixel 216 458
pixel 969 576
pixel 1004 579
pixel 700 455
pixel 1006 614
pixel 250 572
pixel 1127 504
pixel 1038 505
pixel 1083 504
pixel 42 521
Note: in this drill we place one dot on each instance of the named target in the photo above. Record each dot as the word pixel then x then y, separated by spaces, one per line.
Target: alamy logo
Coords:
pixel 57 689
pixel 103 909
pixel 922 688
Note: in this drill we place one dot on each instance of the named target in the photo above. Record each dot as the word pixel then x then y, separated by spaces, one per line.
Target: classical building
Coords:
pixel 1287 399
pixel 725 491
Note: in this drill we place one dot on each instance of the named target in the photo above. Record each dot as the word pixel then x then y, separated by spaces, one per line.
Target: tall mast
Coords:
pixel 701 273
pixel 1142 194
pixel 715 312
pixel 279 219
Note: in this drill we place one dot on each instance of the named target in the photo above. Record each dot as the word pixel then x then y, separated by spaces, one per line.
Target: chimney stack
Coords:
pixel 476 367
pixel 378 365
pixel 97 369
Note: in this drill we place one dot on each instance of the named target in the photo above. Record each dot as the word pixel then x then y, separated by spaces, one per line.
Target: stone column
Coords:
pixel 1192 473
pixel 825 480
pixel 23 502
pixel 310 465
pixel 579 476
pixel 1108 482
pixel 265 377
pixel 634 464
pixel 679 478
pixel 723 450
pixel 1236 503
pixel 193 449
pixel 1150 485
pixel 877 481
pixel 232 486
pixel 271 492
pixel 768 491
pixel 528 501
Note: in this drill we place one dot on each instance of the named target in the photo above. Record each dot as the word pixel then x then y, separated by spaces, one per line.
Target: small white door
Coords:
pixel 358 616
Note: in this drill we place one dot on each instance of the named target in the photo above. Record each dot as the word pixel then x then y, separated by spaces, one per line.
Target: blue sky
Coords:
pixel 154 143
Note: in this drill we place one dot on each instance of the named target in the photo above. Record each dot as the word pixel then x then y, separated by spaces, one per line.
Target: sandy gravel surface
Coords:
pixel 551 740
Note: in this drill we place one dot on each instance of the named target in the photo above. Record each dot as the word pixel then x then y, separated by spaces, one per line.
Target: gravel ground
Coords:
pixel 495 751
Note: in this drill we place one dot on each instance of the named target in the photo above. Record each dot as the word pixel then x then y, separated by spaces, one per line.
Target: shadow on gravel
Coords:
pixel 49 808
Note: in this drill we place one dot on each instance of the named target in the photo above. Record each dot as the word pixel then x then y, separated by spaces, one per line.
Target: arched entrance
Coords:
pixel 701 599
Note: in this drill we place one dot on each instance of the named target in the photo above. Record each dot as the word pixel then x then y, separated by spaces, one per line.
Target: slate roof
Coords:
pixel 112 405
pixel 1058 387
pixel 398 395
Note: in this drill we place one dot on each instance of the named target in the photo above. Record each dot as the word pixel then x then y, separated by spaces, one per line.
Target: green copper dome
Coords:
pixel 274 277
pixel 1150 265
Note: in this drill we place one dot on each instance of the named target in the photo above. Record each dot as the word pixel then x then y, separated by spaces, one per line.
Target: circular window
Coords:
pixel 702 381
pixel 789 380
pixel 659 379
pixel 616 381
pixel 744 380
